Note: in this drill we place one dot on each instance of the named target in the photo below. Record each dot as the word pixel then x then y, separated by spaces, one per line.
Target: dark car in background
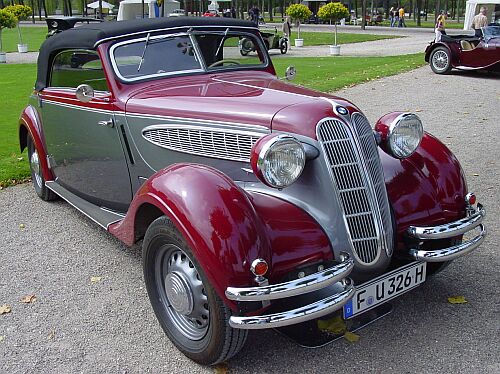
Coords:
pixel 465 52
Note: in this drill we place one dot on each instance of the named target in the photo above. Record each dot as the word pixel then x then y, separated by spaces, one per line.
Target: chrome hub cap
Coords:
pixel 182 292
pixel 440 60
pixel 35 167
pixel 178 293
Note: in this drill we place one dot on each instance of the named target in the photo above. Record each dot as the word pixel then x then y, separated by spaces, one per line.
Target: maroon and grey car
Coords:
pixel 247 193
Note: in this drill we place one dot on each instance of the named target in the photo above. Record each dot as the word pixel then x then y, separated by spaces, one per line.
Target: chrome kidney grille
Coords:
pixel 356 172
pixel 224 144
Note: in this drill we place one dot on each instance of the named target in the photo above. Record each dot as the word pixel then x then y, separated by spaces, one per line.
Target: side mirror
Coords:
pixel 84 93
pixel 290 73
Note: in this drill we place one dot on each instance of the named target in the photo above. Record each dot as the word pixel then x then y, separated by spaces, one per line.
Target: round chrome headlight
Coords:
pixel 278 160
pixel 405 135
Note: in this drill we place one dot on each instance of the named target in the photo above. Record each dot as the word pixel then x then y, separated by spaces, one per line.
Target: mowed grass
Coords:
pixel 33 36
pixel 16 84
pixel 321 73
pixel 332 73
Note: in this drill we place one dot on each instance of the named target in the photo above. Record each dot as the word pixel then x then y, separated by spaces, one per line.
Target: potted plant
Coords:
pixel 333 12
pixel 298 12
pixel 7 21
pixel 21 12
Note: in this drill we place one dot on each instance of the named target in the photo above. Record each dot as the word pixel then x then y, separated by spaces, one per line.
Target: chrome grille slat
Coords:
pixel 203 142
pixel 362 195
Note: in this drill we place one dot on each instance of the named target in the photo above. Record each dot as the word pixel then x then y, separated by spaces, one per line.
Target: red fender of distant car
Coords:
pixel 212 213
pixel 434 45
pixel 30 125
pixel 427 188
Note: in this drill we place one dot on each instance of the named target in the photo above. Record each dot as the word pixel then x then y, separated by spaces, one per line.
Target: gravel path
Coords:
pixel 52 251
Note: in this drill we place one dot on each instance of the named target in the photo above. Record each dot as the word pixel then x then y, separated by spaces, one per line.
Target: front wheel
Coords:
pixel 186 305
pixel 283 46
pixel 440 60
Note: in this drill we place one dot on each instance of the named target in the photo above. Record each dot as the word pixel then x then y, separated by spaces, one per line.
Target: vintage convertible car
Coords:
pixel 465 52
pixel 259 204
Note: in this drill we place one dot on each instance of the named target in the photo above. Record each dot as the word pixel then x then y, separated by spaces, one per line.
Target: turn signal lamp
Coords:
pixel 259 267
pixel 470 198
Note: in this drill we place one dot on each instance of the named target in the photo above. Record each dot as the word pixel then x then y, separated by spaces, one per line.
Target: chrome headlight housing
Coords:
pixel 278 160
pixel 405 134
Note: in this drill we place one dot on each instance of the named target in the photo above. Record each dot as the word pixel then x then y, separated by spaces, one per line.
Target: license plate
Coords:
pixel 384 288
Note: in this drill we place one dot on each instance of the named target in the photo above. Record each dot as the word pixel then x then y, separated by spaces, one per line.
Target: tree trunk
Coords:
pixel 270 9
pixel 419 7
pixel 363 15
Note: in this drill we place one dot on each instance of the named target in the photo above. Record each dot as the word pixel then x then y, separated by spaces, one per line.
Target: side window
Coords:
pixel 74 67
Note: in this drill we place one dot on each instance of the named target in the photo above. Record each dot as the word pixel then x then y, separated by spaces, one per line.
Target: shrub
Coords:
pixel 22 13
pixel 7 21
pixel 298 12
pixel 333 12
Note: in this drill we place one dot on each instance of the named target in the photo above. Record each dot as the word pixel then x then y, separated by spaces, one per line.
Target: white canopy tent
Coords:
pixel 132 9
pixel 105 5
pixel 472 8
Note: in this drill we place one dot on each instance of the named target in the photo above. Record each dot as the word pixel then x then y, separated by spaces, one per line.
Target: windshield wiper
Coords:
pixel 221 41
pixel 144 51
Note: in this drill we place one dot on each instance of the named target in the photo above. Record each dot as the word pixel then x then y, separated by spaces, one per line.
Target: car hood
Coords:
pixel 251 99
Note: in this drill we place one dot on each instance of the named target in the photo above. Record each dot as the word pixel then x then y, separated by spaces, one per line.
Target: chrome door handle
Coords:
pixel 108 123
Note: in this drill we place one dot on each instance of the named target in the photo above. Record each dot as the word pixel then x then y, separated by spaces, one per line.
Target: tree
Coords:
pixel 333 12
pixel 22 13
pixel 7 21
pixel 298 12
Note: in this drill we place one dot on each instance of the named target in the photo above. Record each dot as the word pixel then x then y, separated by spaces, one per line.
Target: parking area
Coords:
pixel 92 312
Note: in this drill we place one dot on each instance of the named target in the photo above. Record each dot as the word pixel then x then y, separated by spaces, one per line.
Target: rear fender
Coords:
pixel 213 214
pixel 31 125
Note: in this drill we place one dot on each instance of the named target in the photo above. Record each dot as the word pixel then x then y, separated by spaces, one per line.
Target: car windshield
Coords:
pixel 491 32
pixel 193 52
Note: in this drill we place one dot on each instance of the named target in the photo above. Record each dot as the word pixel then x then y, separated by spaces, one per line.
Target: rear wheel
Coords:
pixel 186 305
pixel 440 60
pixel 36 173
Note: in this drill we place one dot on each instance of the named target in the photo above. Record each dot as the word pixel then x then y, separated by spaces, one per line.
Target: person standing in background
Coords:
pixel 391 16
pixel 401 17
pixel 479 20
pixel 440 26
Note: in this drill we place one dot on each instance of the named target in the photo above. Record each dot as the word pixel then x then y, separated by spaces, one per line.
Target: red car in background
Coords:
pixel 465 52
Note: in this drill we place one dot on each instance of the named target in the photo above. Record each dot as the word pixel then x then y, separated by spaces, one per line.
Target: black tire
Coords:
pixel 36 173
pixel 440 60
pixel 243 52
pixel 193 316
pixel 283 47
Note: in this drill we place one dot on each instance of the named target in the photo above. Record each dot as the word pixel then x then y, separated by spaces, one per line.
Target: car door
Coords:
pixel 84 145
pixel 484 54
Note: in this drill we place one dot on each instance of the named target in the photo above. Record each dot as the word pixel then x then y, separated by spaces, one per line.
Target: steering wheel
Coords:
pixel 224 61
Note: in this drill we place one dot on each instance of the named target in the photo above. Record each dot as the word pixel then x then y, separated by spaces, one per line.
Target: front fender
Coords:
pixel 427 188
pixel 213 214
pixel 31 125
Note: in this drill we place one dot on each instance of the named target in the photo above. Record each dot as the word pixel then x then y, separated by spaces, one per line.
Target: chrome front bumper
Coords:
pixel 310 283
pixel 473 220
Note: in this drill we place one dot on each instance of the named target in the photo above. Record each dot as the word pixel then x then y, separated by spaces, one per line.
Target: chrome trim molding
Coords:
pixel 472 221
pixel 295 287
pixel 202 141
pixel 312 311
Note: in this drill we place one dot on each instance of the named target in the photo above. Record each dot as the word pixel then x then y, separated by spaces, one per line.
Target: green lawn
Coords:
pixel 33 36
pixel 331 73
pixel 428 24
pixel 321 73
pixel 16 84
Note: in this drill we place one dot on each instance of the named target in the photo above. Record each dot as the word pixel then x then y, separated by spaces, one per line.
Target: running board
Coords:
pixel 99 215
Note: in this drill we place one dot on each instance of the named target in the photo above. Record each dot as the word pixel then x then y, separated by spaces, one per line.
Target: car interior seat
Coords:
pixel 466 45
